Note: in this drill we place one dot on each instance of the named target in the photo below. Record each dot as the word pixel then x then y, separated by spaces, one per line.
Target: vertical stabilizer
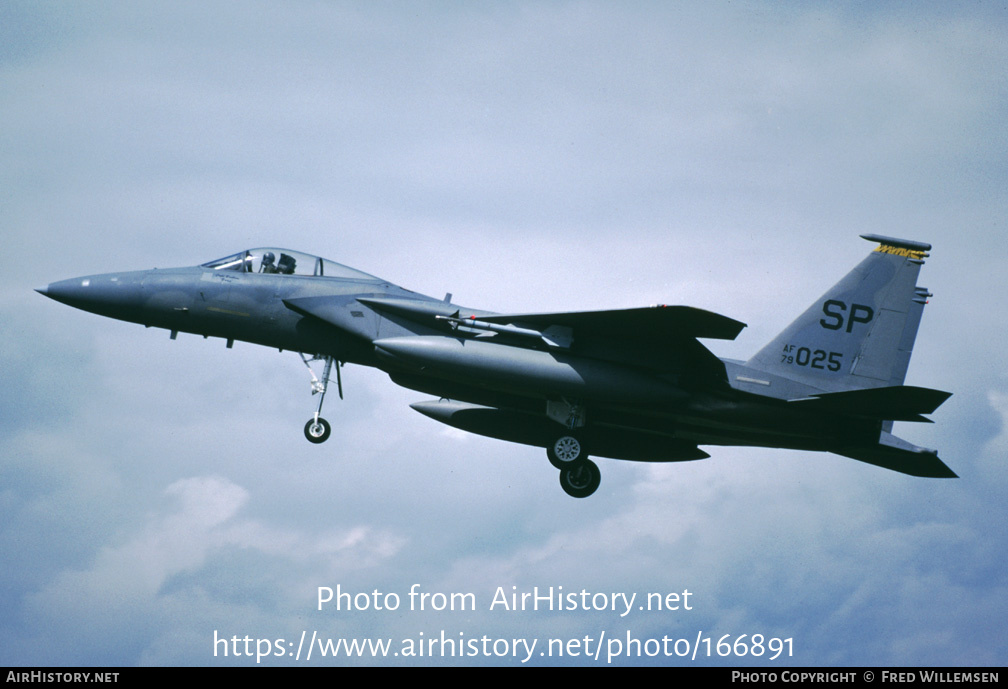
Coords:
pixel 861 333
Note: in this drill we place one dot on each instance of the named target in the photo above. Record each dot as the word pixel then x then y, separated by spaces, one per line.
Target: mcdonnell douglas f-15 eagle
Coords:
pixel 632 384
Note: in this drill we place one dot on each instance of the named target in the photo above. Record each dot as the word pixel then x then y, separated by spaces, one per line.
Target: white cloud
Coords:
pixel 136 582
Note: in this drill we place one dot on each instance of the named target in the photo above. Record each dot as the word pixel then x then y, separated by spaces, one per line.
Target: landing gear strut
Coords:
pixel 317 430
pixel 579 476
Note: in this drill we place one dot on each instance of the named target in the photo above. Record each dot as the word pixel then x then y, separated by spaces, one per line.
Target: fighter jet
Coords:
pixel 633 384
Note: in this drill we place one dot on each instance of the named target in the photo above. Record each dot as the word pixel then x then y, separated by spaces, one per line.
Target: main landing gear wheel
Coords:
pixel 317 430
pixel 565 451
pixel 581 479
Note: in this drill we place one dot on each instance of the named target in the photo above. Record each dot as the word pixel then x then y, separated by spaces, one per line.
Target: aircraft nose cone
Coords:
pixel 73 292
pixel 117 295
pixel 65 291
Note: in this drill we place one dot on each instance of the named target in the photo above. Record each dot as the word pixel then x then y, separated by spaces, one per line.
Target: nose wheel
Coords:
pixel 318 430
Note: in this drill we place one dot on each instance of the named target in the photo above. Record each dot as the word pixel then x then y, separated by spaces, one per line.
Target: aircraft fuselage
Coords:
pixel 632 384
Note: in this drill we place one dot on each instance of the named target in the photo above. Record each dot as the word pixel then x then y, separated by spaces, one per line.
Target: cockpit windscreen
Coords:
pixel 284 262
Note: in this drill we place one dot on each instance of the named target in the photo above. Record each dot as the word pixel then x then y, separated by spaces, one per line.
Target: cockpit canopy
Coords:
pixel 284 262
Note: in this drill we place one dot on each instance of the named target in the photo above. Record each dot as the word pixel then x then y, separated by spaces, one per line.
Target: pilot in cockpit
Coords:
pixel 286 264
pixel 267 263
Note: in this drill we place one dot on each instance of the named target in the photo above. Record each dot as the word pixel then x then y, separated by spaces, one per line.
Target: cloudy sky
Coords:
pixel 525 157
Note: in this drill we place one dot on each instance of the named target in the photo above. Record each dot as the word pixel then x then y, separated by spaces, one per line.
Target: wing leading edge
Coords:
pixel 647 323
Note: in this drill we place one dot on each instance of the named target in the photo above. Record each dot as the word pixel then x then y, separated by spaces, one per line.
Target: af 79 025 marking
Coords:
pixel 818 359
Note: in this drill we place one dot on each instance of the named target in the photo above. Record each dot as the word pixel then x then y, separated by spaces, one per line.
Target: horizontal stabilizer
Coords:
pixel 658 322
pixel 536 429
pixel 898 455
pixel 896 403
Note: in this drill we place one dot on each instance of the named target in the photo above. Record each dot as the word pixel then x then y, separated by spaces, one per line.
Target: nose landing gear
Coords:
pixel 317 430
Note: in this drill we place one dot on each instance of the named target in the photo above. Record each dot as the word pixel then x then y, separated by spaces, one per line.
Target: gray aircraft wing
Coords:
pixel 664 338
pixel 651 324
pixel 648 323
pixel 659 337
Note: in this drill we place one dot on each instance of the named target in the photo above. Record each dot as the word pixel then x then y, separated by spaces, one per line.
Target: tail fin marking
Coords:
pixel 861 332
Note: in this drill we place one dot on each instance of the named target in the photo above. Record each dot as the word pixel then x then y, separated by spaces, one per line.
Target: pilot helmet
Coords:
pixel 268 257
